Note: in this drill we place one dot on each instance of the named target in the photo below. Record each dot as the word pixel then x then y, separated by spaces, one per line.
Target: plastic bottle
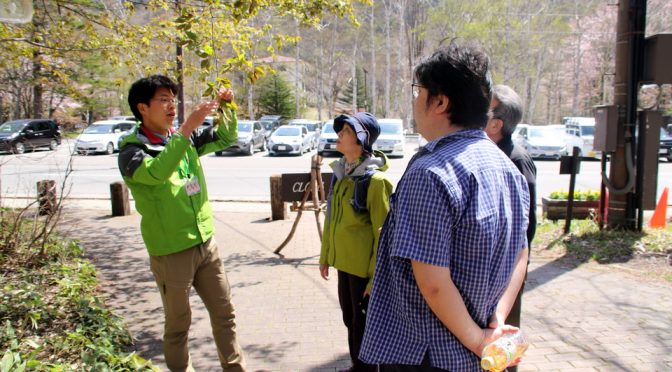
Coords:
pixel 502 352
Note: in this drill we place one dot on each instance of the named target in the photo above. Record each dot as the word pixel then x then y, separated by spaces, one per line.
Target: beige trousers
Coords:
pixel 175 274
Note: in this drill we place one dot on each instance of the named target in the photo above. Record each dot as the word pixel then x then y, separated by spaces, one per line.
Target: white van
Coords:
pixel 581 133
pixel 102 136
pixel 391 140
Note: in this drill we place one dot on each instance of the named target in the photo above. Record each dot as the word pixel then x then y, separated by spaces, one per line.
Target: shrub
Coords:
pixel 587 195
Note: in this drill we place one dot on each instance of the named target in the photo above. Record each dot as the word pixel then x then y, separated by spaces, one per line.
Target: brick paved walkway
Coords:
pixel 579 319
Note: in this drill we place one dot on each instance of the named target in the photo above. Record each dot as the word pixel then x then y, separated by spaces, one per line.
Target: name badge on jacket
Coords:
pixel 192 186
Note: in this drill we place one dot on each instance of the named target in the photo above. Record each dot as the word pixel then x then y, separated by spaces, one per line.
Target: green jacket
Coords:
pixel 350 239
pixel 156 171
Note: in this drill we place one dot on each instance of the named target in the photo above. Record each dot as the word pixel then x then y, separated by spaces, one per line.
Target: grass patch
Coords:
pixel 51 316
pixel 587 243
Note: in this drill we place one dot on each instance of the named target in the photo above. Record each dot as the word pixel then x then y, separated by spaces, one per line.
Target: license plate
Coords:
pixel 282 148
pixel 662 151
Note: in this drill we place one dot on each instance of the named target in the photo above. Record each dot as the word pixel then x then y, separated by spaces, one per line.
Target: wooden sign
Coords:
pixel 294 185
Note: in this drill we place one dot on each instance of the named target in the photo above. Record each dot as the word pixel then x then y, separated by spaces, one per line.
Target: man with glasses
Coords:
pixel 453 250
pixel 162 169
pixel 507 111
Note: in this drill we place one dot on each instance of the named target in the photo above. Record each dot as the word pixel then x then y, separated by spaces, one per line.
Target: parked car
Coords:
pixel 17 136
pixel 391 140
pixel 541 141
pixel 125 118
pixel 289 139
pixel 313 127
pixel 326 144
pixel 251 136
pixel 271 122
pixel 665 149
pixel 103 136
pixel 580 133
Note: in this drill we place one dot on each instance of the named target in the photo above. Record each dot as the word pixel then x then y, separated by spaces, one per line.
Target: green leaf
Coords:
pixel 7 361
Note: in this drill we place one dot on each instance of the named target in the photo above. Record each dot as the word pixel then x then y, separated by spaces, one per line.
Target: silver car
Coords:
pixel 251 136
pixel 289 139
pixel 542 141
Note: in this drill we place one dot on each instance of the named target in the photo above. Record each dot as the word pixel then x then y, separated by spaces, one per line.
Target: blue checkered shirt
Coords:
pixel 461 204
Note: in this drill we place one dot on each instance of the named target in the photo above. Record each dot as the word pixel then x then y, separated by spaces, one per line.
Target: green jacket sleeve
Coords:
pixel 325 246
pixel 225 136
pixel 156 170
pixel 378 203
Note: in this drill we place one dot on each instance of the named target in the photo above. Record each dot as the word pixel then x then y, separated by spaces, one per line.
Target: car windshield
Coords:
pixel 267 124
pixel 244 127
pixel 310 127
pixel 664 135
pixel 11 127
pixel 587 130
pixel 98 129
pixel 545 132
pixel 287 131
pixel 386 128
pixel 328 128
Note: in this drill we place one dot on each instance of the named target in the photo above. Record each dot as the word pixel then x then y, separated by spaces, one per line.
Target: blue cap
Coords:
pixel 365 126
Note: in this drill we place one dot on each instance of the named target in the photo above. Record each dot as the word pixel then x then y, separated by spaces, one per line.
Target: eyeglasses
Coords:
pixel 167 101
pixel 415 89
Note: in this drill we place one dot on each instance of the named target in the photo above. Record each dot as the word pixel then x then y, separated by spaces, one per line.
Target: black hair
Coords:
pixel 143 90
pixel 462 74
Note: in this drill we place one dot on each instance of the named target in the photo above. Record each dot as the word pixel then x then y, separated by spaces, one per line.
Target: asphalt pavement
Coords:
pixel 584 318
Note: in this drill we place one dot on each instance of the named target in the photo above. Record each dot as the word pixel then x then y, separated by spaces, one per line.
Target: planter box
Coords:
pixel 556 209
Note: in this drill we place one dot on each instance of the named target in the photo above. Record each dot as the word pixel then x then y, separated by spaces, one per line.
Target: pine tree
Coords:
pixel 363 99
pixel 274 97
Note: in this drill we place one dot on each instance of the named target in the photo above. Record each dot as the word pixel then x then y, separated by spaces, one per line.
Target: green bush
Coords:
pixel 51 316
pixel 588 195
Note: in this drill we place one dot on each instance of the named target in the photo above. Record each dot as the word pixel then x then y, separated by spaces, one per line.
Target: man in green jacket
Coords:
pixel 161 167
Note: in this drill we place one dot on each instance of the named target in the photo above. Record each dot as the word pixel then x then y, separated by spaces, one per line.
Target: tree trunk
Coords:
pixel 37 87
pixel 297 96
pixel 388 55
pixel 373 61
pixel 400 57
pixel 535 90
pixel 320 79
pixel 354 77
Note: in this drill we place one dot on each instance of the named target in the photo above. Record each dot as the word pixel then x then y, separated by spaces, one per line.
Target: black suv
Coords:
pixel 17 136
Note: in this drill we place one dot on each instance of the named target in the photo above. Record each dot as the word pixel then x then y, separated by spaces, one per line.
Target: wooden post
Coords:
pixel 278 208
pixel 314 189
pixel 572 183
pixel 46 197
pixel 119 198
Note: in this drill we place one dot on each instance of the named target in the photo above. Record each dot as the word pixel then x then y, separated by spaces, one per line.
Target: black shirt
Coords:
pixel 520 157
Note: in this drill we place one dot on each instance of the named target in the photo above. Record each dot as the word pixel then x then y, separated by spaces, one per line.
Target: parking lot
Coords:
pixel 232 176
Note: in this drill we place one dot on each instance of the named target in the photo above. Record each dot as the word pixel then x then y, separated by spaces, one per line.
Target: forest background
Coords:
pixel 75 60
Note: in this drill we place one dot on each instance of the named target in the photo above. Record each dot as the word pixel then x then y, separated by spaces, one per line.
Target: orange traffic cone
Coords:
pixel 659 220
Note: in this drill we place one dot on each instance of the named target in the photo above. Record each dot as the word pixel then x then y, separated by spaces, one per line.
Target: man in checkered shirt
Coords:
pixel 453 250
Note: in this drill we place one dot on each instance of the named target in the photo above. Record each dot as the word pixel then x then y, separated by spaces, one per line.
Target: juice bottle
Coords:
pixel 502 352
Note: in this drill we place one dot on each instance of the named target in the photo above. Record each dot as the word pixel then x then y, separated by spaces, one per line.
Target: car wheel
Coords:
pixel 218 153
pixel 109 150
pixel 249 151
pixel 53 145
pixel 19 148
pixel 669 158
